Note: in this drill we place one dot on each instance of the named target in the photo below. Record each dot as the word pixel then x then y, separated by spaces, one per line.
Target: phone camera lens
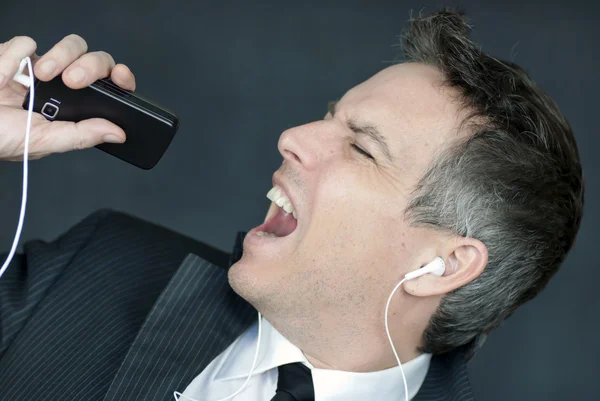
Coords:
pixel 49 110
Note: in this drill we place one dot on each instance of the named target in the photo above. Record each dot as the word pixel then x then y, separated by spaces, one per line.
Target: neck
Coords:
pixel 349 345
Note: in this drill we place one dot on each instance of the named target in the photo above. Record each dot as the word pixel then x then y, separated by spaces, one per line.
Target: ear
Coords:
pixel 465 261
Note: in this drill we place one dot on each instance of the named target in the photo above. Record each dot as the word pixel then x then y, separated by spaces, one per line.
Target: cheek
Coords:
pixel 351 217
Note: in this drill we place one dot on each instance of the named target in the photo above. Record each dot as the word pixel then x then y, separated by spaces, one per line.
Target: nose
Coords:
pixel 309 145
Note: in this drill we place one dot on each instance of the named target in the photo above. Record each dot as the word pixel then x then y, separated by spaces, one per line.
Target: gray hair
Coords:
pixel 515 183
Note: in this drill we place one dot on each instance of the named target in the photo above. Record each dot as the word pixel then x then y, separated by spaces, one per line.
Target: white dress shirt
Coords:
pixel 228 372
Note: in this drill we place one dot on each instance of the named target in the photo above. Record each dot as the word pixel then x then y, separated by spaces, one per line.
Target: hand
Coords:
pixel 79 69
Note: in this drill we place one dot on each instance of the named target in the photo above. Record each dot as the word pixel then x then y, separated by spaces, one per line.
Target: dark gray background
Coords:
pixel 238 73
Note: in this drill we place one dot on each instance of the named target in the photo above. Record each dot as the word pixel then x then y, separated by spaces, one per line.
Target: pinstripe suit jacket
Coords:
pixel 120 309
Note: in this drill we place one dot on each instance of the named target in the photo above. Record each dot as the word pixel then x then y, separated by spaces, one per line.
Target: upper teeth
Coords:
pixel 277 195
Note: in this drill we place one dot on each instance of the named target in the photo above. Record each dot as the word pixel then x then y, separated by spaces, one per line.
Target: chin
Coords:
pixel 251 280
pixel 241 279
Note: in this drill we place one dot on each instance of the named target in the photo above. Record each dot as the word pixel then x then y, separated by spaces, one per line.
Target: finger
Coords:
pixel 63 136
pixel 63 54
pixel 11 54
pixel 87 69
pixel 34 58
pixel 122 76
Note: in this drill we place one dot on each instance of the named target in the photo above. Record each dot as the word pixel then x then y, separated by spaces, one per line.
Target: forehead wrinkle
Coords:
pixel 368 129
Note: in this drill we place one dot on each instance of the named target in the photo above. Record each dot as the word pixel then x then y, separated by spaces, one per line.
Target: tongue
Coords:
pixel 281 224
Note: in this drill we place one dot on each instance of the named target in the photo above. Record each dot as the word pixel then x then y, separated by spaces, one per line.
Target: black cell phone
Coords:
pixel 149 128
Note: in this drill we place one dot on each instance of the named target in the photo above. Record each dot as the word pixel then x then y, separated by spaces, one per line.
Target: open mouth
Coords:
pixel 283 222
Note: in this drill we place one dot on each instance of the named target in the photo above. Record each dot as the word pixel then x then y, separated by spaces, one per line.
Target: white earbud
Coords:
pixel 436 266
pixel 20 77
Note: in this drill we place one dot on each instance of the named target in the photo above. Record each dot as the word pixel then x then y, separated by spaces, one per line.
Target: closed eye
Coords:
pixel 362 151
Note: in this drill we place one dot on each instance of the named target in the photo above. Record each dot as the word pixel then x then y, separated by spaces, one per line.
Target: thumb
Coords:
pixel 64 136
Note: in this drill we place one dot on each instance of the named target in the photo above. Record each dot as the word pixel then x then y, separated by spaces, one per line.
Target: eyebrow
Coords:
pixel 369 130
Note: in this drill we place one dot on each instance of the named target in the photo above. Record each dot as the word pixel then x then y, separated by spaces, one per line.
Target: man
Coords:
pixel 452 154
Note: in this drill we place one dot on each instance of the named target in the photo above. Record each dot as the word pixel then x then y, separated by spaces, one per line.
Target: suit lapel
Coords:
pixel 447 379
pixel 196 317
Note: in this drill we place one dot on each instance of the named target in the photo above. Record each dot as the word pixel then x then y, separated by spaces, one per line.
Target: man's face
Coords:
pixel 350 245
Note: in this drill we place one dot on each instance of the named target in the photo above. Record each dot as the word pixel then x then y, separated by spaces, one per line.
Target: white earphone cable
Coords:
pixel 387 330
pixel 25 167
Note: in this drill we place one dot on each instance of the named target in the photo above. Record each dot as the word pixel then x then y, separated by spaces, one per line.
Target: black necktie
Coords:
pixel 294 383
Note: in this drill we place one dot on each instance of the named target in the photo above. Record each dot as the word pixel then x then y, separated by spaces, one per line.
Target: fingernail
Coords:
pixel 49 67
pixel 112 139
pixel 2 79
pixel 77 75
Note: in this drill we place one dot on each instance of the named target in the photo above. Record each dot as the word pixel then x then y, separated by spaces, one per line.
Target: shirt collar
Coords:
pixel 275 350
pixel 331 385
